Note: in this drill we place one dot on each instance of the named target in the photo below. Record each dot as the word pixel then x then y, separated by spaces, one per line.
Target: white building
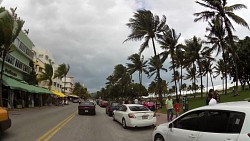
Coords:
pixel 41 58
pixel 68 83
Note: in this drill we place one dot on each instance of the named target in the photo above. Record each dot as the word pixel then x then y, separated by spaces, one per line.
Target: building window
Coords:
pixel 19 64
pixel 55 84
pixel 40 56
pixel 10 59
pixel 40 69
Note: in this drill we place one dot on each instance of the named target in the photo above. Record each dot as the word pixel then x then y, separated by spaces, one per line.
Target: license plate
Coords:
pixel 86 111
pixel 144 117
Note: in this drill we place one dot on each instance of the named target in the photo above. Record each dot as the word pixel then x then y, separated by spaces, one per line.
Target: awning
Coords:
pixel 59 94
pixel 23 86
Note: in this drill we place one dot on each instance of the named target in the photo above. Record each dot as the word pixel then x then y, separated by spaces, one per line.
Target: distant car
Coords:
pixel 111 107
pixel 104 103
pixel 221 122
pixel 5 121
pixel 76 100
pixel 86 107
pixel 134 115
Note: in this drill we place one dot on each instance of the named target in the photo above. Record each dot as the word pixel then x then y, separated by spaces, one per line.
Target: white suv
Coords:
pixel 221 122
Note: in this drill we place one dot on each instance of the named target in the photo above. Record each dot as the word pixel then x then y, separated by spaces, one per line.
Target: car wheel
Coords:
pixel 114 117
pixel 159 137
pixel 110 114
pixel 124 123
pixel 79 113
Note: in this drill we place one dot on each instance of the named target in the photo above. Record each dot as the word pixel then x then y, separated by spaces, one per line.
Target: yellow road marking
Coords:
pixel 55 129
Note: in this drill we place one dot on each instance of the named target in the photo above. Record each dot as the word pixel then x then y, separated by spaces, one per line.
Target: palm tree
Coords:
pixel 220 70
pixel 219 10
pixel 47 75
pixel 138 64
pixel 62 72
pixel 191 74
pixel 180 60
pixel 10 27
pixel 169 42
pixel 145 25
pixel 154 64
pixel 194 54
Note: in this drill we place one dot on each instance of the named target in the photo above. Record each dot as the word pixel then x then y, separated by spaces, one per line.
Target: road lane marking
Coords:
pixel 55 129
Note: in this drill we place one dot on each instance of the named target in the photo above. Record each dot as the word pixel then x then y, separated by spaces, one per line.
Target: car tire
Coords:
pixel 114 118
pixel 124 125
pixel 79 113
pixel 158 137
pixel 110 114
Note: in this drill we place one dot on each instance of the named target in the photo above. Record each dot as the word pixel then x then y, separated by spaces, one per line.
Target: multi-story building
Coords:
pixel 68 85
pixel 16 67
pixel 41 58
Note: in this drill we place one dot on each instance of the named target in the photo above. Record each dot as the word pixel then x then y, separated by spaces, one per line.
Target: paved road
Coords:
pixel 64 124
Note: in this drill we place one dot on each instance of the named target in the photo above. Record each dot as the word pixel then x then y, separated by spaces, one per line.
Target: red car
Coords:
pixel 104 104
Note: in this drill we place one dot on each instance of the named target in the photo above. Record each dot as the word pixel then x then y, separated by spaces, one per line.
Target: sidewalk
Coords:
pixel 161 118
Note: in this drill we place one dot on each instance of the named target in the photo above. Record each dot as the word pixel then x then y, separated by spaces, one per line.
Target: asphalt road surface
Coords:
pixel 62 123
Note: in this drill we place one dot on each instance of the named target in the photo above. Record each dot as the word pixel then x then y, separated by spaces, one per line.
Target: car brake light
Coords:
pixel 248 134
pixel 131 115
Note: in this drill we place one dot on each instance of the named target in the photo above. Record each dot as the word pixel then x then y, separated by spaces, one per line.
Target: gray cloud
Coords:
pixel 88 35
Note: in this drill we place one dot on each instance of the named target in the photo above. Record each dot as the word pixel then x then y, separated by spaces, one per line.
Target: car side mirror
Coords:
pixel 170 125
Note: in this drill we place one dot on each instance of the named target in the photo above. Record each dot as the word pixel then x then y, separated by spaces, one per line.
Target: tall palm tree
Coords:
pixel 220 70
pixel 10 27
pixel 180 61
pixel 47 75
pixel 194 55
pixel 138 64
pixel 191 74
pixel 61 72
pixel 145 25
pixel 154 64
pixel 169 42
pixel 218 9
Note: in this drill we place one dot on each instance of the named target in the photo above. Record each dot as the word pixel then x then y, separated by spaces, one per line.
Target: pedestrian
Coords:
pixel 177 107
pixel 209 96
pixel 169 108
pixel 145 104
pixel 217 96
pixel 151 105
pixel 212 101
pixel 136 101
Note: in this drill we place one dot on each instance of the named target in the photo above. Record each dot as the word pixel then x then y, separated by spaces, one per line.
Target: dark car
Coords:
pixel 86 107
pixel 104 103
pixel 111 107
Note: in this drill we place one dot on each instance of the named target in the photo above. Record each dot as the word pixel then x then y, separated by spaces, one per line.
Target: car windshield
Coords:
pixel 138 108
pixel 87 104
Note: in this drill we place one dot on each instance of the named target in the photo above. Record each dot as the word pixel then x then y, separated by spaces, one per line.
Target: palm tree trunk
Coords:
pixel 211 80
pixel 158 75
pixel 207 85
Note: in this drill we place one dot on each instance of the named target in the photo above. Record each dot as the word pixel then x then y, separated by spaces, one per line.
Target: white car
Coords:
pixel 134 115
pixel 221 122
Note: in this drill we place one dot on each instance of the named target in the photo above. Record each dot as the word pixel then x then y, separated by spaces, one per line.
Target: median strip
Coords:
pixel 55 129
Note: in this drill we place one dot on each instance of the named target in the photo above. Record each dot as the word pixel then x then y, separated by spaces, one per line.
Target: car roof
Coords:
pixel 132 104
pixel 243 106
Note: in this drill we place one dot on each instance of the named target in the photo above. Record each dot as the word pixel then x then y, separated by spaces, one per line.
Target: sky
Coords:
pixel 88 34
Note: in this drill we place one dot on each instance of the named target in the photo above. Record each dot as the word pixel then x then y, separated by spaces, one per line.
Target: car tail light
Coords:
pixel 248 134
pixel 131 115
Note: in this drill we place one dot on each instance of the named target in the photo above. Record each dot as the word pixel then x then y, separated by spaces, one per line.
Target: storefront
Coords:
pixel 18 94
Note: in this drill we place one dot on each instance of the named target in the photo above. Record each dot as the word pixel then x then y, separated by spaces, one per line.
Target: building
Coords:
pixel 68 85
pixel 16 67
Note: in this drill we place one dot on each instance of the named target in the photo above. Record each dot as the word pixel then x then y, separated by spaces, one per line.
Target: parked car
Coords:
pixel 76 100
pixel 86 107
pixel 134 115
pixel 5 121
pixel 103 103
pixel 111 107
pixel 221 122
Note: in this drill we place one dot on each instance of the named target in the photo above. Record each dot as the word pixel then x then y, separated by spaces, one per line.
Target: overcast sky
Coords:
pixel 88 34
